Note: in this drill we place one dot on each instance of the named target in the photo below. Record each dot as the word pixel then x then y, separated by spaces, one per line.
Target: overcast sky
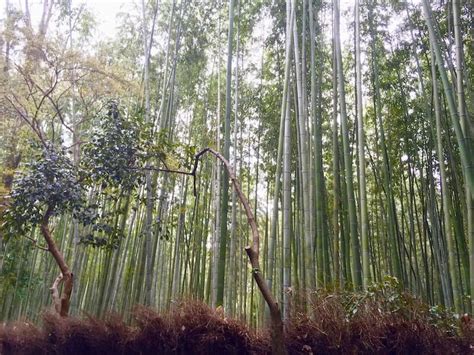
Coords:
pixel 105 11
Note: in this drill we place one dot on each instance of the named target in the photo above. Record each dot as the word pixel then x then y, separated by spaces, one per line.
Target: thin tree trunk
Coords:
pixel 364 226
pixel 356 266
pixel 148 245
pixel 225 178
pixel 336 171
pixel 230 302
pixel 444 191
pixel 468 133
pixel 217 182
pixel 304 161
pixel 287 212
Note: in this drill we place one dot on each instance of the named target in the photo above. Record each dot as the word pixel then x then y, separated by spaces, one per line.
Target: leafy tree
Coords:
pixel 49 182
pixel 48 188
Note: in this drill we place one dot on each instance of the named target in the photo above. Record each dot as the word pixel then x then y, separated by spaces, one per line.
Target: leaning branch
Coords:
pixel 278 346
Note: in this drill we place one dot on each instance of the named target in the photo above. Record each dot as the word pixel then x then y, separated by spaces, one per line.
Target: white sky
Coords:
pixel 105 11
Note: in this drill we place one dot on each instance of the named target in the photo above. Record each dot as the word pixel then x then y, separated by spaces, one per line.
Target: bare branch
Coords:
pixel 32 123
pixel 154 168
pixel 35 243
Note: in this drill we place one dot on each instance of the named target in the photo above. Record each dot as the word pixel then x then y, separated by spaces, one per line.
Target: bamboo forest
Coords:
pixel 236 176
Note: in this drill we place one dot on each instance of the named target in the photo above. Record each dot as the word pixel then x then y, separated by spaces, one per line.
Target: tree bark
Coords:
pixel 61 301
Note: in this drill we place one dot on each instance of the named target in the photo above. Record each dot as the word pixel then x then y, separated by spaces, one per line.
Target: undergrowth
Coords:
pixel 383 320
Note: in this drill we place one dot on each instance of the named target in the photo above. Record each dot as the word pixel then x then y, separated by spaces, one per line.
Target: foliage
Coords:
pixel 14 276
pixel 103 235
pixel 112 154
pixel 50 181
pixel 388 297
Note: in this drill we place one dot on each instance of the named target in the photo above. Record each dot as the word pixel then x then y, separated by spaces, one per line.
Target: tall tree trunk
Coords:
pixel 445 191
pixel 364 225
pixel 225 178
pixel 287 212
pixel 336 170
pixel 217 181
pixel 320 195
pixel 304 161
pixel 467 128
pixel 230 302
pixel 355 248
pixel 148 179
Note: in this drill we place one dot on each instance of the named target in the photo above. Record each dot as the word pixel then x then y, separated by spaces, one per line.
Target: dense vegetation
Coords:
pixel 383 321
pixel 344 138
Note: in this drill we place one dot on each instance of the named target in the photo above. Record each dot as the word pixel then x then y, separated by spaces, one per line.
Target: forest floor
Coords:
pixel 338 325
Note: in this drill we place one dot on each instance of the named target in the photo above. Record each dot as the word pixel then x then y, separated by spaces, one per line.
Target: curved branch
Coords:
pixel 252 251
pixel 66 274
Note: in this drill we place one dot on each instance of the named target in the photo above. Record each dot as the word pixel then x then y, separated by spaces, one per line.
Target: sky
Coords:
pixel 105 11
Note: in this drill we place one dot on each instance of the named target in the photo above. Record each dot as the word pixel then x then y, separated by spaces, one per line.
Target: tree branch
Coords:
pixel 252 251
pixel 35 243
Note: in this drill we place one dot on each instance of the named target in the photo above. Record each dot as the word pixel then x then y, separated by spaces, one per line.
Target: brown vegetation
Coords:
pixel 193 328
pixel 368 325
